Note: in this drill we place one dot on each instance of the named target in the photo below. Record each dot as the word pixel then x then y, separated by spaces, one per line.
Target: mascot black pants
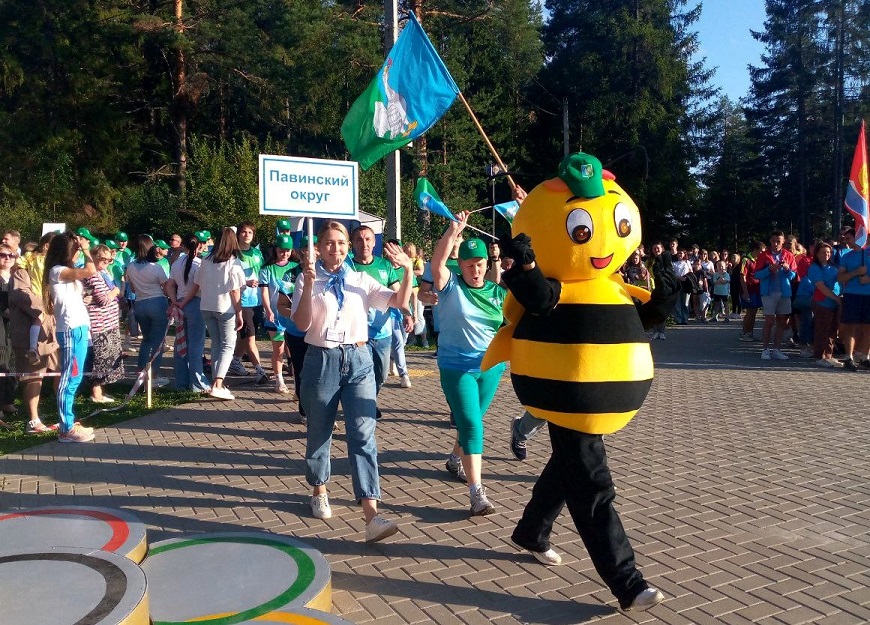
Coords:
pixel 577 475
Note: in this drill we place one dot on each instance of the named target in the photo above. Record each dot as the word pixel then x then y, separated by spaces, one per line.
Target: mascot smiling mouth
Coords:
pixel 601 263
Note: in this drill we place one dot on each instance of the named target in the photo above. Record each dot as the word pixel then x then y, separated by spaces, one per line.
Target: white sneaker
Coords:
pixel 645 600
pixel 480 505
pixel 778 355
pixel 281 388
pixel 105 399
pixel 807 352
pixel 824 362
pixel 548 557
pixel 765 354
pixel 380 528
pixel 405 381
pixel 221 393
pixel 320 507
pixel 160 382
pixel 77 434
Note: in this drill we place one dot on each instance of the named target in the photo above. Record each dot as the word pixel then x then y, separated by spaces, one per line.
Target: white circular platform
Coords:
pixel 73 526
pixel 68 586
pixel 230 578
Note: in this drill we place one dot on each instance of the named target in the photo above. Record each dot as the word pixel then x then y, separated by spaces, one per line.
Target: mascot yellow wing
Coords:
pixel 500 348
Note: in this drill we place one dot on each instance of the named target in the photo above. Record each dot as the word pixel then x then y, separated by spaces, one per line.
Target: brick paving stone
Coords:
pixel 741 508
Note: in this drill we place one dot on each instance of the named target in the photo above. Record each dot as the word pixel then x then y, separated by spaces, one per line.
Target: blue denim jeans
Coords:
pixel 188 368
pixel 222 331
pixel 379 350
pixel 73 352
pixel 151 315
pixel 397 348
pixel 342 374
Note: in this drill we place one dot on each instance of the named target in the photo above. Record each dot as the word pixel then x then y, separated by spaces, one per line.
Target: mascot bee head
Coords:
pixel 582 224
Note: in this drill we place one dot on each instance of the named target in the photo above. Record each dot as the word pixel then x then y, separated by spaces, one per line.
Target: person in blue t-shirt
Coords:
pixel 470 312
pixel 855 317
pixel 822 276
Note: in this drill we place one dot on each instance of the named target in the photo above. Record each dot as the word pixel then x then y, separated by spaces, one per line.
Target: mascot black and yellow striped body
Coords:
pixel 582 362
pixel 587 365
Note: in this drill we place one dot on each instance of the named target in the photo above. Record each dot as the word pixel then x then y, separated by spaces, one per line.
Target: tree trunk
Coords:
pixel 180 108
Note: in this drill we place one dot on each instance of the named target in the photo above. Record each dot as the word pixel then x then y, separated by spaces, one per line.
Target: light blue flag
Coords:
pixel 508 210
pixel 428 199
pixel 408 95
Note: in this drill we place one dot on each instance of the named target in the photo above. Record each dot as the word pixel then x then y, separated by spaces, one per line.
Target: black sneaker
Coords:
pixel 849 365
pixel 865 364
pixel 518 447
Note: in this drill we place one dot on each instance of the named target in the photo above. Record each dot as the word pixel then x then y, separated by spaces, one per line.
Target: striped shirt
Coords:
pixel 102 307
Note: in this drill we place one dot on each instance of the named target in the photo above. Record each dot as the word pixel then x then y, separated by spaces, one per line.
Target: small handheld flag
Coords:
pixel 428 199
pixel 858 193
pixel 408 95
pixel 508 210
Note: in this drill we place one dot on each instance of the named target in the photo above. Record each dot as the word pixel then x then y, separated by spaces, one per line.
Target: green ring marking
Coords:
pixel 303 580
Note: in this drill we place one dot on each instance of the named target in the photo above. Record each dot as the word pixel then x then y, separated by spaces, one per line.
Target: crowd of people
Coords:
pixel 337 320
pixel 813 299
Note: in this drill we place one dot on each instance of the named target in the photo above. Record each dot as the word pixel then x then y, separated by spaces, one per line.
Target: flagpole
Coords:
pixel 487 141
pixel 491 236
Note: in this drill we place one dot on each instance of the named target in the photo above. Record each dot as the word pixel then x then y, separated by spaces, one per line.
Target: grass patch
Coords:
pixel 17 438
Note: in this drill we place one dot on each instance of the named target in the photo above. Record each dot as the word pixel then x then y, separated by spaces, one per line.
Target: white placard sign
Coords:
pixel 308 187
pixel 53 227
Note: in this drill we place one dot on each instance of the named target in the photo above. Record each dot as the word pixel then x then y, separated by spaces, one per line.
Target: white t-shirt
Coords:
pixel 66 298
pixel 177 274
pixel 361 292
pixel 215 281
pixel 146 279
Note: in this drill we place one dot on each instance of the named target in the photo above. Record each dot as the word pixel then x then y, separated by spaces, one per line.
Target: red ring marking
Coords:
pixel 120 529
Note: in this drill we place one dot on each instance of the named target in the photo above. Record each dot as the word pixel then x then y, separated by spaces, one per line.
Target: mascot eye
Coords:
pixel 579 226
pixel 622 218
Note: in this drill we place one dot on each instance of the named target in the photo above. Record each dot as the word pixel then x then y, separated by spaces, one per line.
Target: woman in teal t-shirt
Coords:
pixel 470 311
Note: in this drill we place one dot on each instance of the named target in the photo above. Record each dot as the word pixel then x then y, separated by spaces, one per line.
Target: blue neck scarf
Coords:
pixel 334 281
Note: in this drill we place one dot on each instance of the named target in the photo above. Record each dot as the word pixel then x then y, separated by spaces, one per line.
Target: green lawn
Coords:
pixel 16 439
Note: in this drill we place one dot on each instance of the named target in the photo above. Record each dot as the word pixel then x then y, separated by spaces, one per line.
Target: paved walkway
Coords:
pixel 743 486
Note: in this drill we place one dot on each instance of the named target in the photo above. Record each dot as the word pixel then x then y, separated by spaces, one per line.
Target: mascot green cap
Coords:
pixel 582 173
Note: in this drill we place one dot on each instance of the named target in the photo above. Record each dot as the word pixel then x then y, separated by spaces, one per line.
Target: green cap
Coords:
pixel 472 248
pixel 163 245
pixel 284 224
pixel 86 234
pixel 284 242
pixel 582 173
pixel 111 244
pixel 304 242
pixel 207 234
pixel 121 236
pixel 201 236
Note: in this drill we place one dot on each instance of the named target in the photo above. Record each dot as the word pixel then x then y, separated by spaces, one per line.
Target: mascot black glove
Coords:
pixel 519 249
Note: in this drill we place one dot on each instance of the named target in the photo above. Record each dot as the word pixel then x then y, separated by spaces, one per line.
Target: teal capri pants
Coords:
pixel 469 394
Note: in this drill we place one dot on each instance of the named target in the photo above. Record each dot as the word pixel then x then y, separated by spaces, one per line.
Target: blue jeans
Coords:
pixel 73 352
pixel 188 368
pixel 681 309
pixel 379 350
pixel 577 474
pixel 526 426
pixel 806 316
pixel 151 315
pixel 222 331
pixel 397 347
pixel 342 374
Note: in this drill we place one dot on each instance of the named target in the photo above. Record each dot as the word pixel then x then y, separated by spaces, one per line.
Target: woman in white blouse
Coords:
pixel 147 280
pixel 220 279
pixel 330 304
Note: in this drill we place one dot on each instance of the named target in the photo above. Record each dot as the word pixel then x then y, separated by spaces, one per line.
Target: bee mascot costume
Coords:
pixel 580 358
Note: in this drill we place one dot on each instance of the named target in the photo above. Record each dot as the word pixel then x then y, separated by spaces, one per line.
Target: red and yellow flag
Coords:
pixel 858 192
